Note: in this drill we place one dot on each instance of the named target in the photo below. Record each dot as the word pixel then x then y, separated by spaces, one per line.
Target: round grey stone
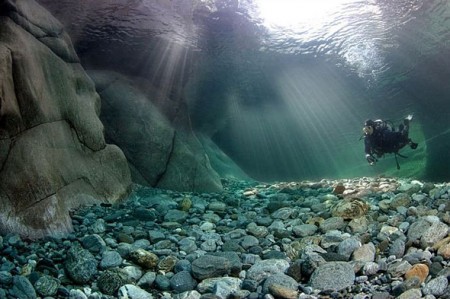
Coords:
pixel 94 243
pixel 417 229
pixel 182 282
pixel 348 246
pixel 265 268
pixel 332 223
pixel 110 259
pixel 208 266
pixel 304 230
pixel 333 276
pixel 187 245
pixel 397 248
pixel 156 236
pixel 162 282
pixel 436 232
pixel 249 241
pixel 436 286
pixel 365 253
pixel 147 280
pixel 176 216
pixel 398 268
pixel 183 265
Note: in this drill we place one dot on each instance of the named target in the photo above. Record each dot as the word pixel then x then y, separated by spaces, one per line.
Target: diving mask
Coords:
pixel 368 130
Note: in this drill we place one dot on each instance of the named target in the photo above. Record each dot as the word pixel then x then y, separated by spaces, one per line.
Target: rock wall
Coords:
pixel 53 155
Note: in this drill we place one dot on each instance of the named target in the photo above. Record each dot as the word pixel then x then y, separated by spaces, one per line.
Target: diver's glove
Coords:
pixel 407 119
pixel 371 159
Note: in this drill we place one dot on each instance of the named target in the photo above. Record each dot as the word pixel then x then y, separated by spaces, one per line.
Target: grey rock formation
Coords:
pixel 159 155
pixel 53 155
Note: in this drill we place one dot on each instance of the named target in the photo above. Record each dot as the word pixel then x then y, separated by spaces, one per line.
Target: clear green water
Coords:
pixel 284 88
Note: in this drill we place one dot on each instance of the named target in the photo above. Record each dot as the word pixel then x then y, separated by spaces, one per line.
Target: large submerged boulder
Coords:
pixel 53 155
pixel 159 154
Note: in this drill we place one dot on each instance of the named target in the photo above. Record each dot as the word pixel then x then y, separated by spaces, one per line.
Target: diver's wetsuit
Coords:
pixel 383 140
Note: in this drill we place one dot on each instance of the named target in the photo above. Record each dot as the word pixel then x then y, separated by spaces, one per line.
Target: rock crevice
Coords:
pixel 163 172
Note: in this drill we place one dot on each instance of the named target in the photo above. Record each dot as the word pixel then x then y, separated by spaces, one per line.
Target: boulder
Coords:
pixel 159 154
pixel 53 155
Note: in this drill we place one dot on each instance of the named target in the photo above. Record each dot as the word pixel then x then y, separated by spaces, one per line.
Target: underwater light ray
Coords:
pixel 163 64
pixel 322 111
pixel 263 134
pixel 308 118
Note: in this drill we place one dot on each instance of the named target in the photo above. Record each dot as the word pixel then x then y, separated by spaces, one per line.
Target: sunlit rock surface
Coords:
pixel 159 154
pixel 53 156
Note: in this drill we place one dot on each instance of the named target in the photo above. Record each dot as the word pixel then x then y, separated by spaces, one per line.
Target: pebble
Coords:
pixel 223 289
pixel 435 233
pixel 304 230
pixel 80 265
pixel 162 282
pixel 281 280
pixel 348 246
pixel 418 270
pixel 285 240
pixel 130 291
pixel 279 291
pixel 110 259
pixel 111 280
pixel 133 272
pixel 144 258
pixel 182 282
pixel 398 268
pixel 365 253
pixel 46 286
pixel 436 286
pixel 411 294
pixel 333 276
pixel 208 266
pixel 94 243
pixel 265 268
pixel 22 288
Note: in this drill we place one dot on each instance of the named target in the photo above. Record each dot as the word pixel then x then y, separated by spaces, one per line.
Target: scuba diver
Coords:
pixel 381 138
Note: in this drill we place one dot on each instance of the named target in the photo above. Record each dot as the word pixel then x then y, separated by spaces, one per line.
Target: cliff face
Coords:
pixel 53 155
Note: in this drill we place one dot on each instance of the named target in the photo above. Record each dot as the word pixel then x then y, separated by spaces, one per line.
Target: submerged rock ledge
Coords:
pixel 358 238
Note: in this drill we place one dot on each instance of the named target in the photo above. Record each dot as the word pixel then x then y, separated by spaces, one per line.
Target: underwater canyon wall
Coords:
pixel 53 155
pixel 141 66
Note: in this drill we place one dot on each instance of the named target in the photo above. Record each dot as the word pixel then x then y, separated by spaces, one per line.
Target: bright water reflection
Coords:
pixel 358 32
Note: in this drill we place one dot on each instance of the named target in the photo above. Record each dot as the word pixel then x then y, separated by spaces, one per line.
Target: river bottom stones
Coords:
pixel 379 237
